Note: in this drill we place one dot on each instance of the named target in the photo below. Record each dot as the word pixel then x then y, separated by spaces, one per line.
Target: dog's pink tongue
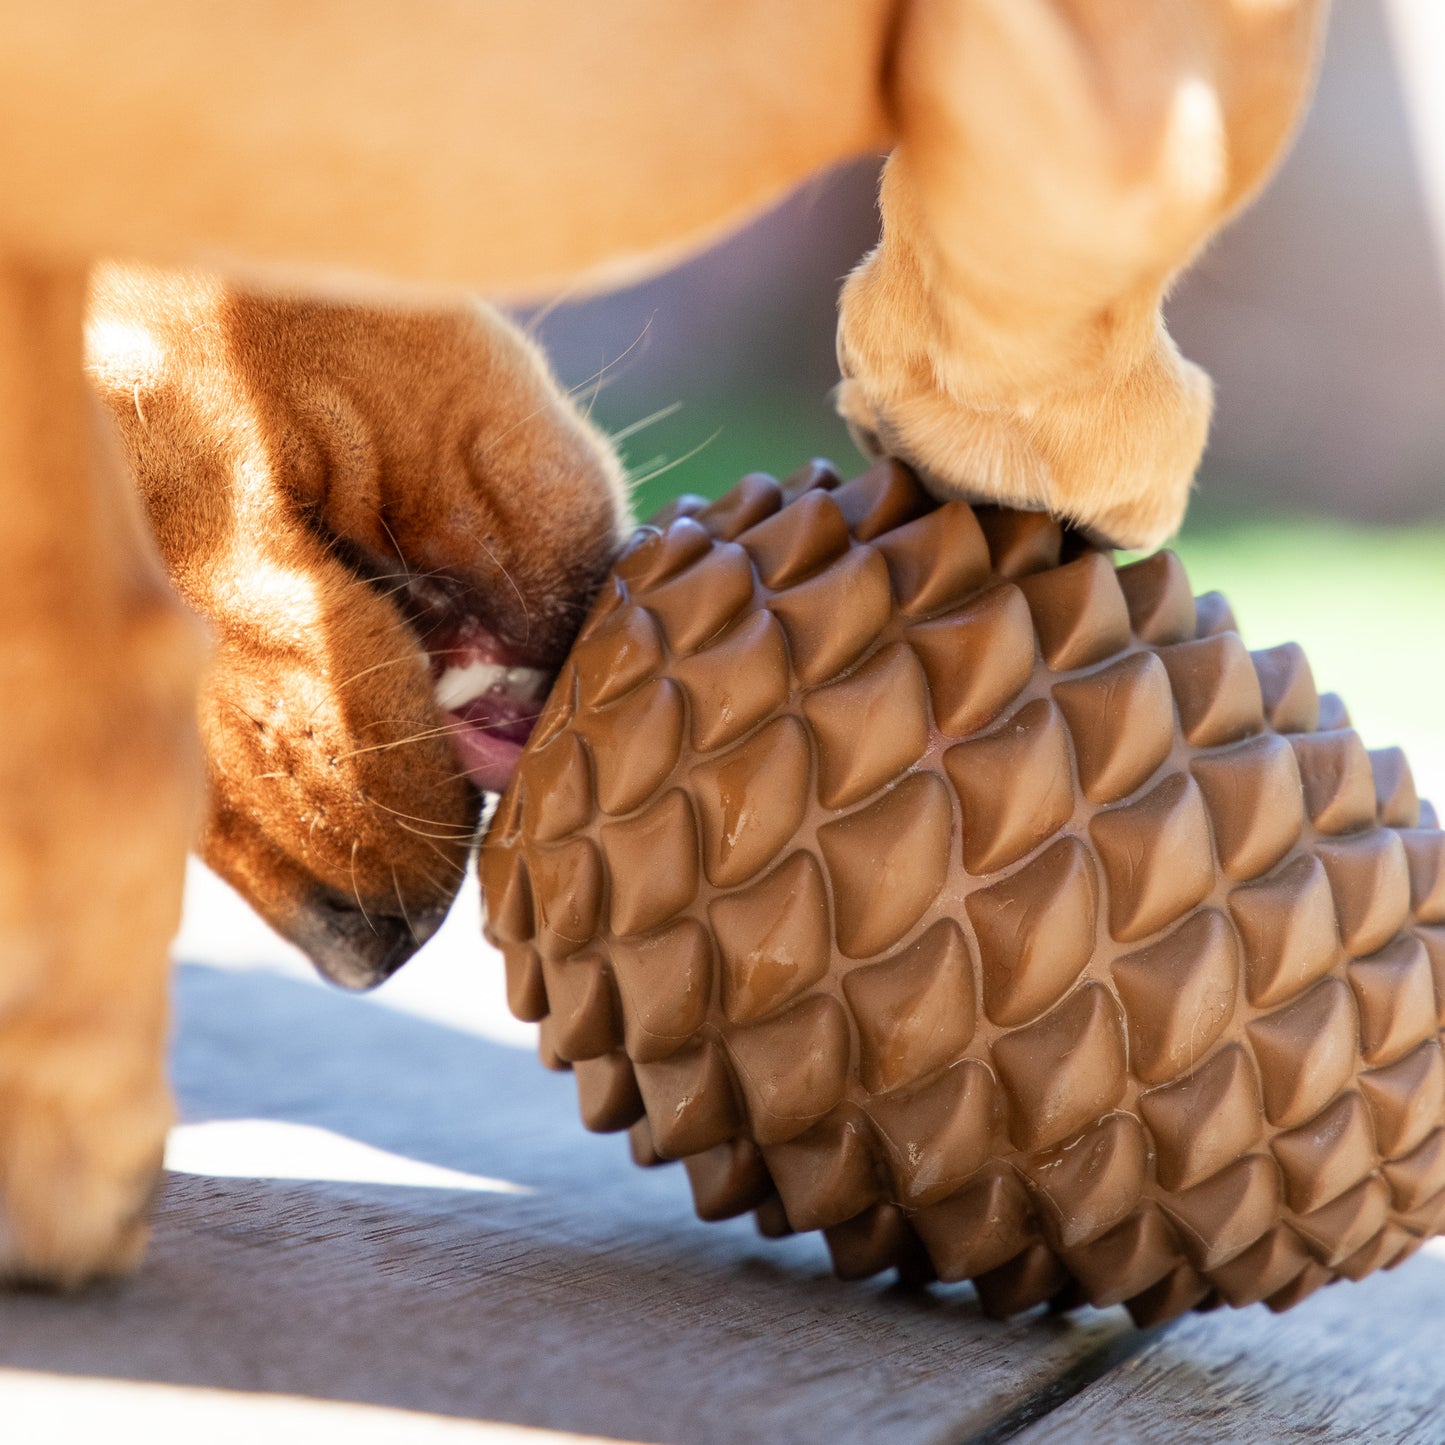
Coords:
pixel 489 760
pixel 491 731
pixel 491 700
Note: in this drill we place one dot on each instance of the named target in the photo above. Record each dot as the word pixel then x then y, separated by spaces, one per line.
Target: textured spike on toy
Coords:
pixel 917 876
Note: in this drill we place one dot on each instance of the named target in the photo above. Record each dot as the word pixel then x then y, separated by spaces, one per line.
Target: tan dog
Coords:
pixel 390 518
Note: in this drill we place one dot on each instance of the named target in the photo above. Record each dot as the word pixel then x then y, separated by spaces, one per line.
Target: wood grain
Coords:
pixel 1354 1363
pixel 593 1303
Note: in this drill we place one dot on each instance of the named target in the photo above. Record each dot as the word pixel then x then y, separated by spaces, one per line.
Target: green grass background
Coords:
pixel 1366 604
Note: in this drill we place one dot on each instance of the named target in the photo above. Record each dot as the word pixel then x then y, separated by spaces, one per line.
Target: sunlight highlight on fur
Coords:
pixel 279 599
pixel 1195 152
pixel 119 351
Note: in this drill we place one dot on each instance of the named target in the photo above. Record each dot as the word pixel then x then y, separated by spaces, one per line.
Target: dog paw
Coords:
pixel 1111 450
pixel 80 1162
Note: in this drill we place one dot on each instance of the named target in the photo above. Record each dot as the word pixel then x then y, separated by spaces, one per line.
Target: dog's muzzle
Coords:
pixel 359 949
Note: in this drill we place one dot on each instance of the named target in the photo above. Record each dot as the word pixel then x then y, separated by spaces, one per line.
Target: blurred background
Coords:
pixel 1320 314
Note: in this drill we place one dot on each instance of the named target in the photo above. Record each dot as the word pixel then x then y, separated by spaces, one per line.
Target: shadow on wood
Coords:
pixel 556 1286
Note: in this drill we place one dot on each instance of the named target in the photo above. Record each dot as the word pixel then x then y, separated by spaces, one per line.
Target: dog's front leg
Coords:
pixel 1058 162
pixel 99 793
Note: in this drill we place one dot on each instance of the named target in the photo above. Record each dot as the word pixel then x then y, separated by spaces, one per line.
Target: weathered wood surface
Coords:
pixel 418 1223
pixel 1353 1365
pixel 547 1281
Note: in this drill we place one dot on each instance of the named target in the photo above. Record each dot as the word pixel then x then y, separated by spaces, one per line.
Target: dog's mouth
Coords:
pixel 488 690
pixel 489 698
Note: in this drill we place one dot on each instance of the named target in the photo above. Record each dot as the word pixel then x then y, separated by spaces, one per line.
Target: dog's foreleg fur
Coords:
pixel 99 793
pixel 1058 163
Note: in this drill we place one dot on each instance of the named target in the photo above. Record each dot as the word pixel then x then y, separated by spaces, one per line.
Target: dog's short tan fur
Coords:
pixel 286 450
pixel 1054 163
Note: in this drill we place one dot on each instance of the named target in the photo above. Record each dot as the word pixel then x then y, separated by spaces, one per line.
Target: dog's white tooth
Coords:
pixel 457 686
pixel 526 681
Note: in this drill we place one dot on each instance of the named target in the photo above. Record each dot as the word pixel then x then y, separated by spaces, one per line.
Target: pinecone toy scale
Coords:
pixel 916 875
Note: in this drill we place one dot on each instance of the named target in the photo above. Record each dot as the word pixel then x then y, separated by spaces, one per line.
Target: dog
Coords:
pixel 375 494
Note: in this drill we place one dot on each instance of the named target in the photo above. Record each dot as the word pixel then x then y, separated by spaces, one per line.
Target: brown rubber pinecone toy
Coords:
pixel 916 875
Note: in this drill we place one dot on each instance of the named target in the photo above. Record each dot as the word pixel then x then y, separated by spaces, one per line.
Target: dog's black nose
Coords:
pixel 359 948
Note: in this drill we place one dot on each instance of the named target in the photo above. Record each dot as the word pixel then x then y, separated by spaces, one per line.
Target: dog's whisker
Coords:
pixel 435 837
pixel 448 730
pixel 616 361
pixel 249 716
pixel 493 442
pixel 391 537
pixel 457 776
pixel 632 428
pixel 402 586
pixel 401 903
pixel 464 838
pixel 403 577
pixel 512 583
pixel 417 818
pixel 532 324
pixel 592 400
pixel 602 378
pixel 401 721
pixel 427 842
pixel 356 889
pixel 451 864
pixel 635 482
pixel 655 460
pixel 430 878
pixel 357 676
pixel 397 743
pixel 597 377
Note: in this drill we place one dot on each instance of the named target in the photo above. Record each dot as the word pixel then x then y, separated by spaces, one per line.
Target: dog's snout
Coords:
pixel 360 948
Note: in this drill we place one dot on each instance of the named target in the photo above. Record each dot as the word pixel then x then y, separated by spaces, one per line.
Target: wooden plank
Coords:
pixel 556 1286
pixel 1355 1362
